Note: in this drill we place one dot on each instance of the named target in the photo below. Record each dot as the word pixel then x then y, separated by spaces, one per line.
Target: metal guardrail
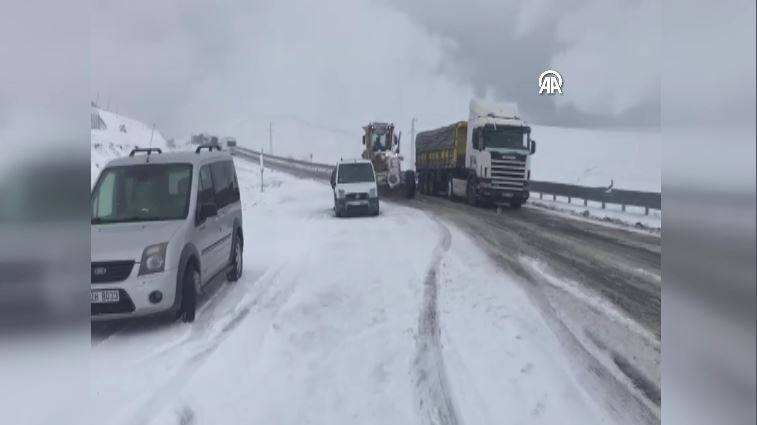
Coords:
pixel 294 166
pixel 622 197
pixel 603 195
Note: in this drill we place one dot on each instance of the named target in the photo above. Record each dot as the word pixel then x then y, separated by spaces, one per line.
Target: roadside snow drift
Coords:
pixel 396 319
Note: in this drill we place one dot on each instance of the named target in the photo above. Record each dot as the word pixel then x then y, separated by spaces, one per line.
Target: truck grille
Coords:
pixel 508 174
pixel 111 271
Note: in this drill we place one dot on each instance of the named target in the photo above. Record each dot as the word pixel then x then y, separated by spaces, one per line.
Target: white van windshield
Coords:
pixel 356 173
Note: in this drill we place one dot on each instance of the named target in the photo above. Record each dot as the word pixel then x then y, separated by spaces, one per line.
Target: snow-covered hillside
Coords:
pixel 631 159
pixel 117 136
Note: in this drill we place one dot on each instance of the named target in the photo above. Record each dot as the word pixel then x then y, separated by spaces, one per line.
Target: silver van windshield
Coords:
pixel 145 192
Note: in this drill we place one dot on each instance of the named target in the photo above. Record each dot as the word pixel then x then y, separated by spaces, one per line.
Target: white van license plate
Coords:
pixel 106 296
pixel 357 203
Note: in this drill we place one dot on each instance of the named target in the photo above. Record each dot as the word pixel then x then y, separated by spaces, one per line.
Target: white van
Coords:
pixel 355 189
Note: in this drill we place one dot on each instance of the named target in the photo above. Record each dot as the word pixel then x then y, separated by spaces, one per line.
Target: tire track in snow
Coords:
pixel 270 296
pixel 434 399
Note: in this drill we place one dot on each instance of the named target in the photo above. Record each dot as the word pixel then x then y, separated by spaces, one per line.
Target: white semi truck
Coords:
pixel 486 160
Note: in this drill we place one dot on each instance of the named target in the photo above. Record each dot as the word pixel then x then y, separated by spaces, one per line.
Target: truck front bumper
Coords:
pixel 503 195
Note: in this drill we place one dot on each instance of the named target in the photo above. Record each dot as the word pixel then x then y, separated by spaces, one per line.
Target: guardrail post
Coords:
pixel 603 204
pixel 586 202
pixel 569 199
pixel 646 210
pixel 623 207
pixel 554 197
pixel 541 195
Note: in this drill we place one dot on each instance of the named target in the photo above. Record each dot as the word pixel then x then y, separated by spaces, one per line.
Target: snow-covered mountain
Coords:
pixel 113 135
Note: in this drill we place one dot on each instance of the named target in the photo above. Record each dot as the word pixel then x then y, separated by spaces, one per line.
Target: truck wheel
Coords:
pixel 470 193
pixel 409 184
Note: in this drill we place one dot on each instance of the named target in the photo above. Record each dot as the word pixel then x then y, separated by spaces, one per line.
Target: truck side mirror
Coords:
pixel 333 178
pixel 533 146
pixel 476 135
pixel 363 138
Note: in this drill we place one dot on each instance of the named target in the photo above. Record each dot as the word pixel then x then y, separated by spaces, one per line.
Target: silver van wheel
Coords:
pixel 189 295
pixel 238 260
pixel 236 272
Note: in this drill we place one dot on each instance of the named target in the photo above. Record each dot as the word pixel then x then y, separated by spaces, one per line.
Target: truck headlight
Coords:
pixel 340 193
pixel 372 193
pixel 153 259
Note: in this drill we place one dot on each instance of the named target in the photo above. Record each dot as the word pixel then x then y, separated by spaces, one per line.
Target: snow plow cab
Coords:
pixel 382 148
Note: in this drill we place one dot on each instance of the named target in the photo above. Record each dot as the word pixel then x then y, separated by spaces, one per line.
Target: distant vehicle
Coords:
pixel 484 160
pixel 205 139
pixel 355 188
pixel 382 148
pixel 163 227
pixel 230 142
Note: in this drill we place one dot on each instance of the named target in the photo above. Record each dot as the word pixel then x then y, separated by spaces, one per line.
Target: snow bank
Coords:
pixel 612 215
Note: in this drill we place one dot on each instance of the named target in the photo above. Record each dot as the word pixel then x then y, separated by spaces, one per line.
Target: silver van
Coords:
pixel 163 227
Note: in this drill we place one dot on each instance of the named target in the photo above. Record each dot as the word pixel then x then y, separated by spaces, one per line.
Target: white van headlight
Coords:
pixel 340 193
pixel 372 193
pixel 153 259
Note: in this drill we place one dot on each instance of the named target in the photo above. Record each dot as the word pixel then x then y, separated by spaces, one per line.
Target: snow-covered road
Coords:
pixel 396 319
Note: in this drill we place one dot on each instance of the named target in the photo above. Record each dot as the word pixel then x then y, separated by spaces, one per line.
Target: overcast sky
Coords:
pixel 328 67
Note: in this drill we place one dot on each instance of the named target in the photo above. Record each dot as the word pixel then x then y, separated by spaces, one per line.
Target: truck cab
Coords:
pixel 498 154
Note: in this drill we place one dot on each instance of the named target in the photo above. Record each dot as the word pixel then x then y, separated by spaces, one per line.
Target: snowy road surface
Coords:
pixel 598 287
pixel 397 319
pixel 597 282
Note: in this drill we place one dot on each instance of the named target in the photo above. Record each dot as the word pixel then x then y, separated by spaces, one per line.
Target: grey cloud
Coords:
pixel 233 67
pixel 607 52
pixel 308 67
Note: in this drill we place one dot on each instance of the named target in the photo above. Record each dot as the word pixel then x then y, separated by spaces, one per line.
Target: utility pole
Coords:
pixel 270 138
pixel 261 171
pixel 412 141
pixel 152 134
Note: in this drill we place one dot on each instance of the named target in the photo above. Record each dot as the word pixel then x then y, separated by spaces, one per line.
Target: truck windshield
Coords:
pixel 355 173
pixel 505 137
pixel 148 192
